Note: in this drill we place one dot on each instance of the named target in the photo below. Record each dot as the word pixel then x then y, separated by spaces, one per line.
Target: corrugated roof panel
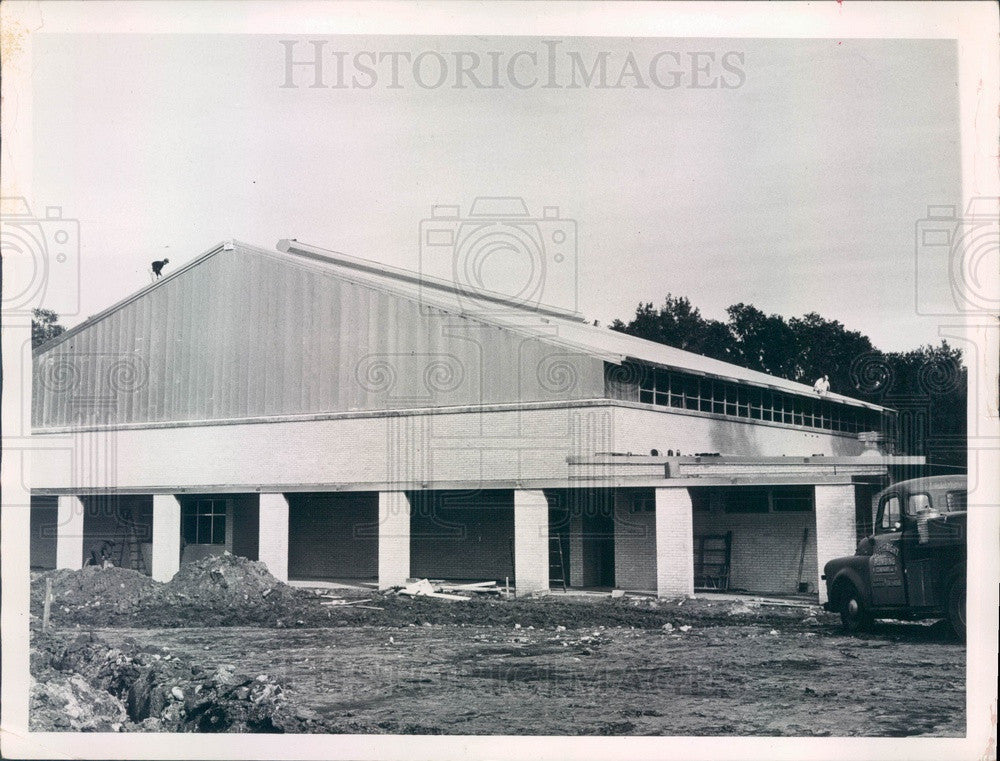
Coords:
pixel 544 322
pixel 263 332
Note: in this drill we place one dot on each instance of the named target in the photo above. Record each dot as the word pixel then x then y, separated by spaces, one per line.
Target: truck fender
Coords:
pixel 849 576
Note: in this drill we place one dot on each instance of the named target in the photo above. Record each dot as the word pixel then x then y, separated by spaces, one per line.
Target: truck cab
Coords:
pixel 913 566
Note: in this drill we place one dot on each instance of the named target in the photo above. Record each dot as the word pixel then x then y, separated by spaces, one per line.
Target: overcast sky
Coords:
pixel 796 186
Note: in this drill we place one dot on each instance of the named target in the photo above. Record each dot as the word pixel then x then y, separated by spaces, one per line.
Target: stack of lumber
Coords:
pixel 442 590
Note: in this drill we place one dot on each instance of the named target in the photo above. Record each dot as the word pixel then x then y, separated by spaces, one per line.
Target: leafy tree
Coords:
pixel 826 347
pixel 764 342
pixel 679 324
pixel 44 326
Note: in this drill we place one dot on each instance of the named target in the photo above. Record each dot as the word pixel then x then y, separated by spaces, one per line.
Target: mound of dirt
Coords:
pixel 223 590
pixel 106 590
pixel 85 684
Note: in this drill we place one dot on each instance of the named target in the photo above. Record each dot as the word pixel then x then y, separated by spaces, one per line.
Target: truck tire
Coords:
pixel 854 613
pixel 956 606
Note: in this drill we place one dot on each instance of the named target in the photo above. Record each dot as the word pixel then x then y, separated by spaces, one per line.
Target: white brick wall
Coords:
pixel 635 544
pixel 69 533
pixel 393 539
pixel 766 548
pixel 272 548
pixel 166 536
pixel 531 541
pixel 835 530
pixel 674 554
pixel 470 446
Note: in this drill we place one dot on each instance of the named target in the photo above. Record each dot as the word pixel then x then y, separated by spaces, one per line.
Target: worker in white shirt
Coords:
pixel 822 386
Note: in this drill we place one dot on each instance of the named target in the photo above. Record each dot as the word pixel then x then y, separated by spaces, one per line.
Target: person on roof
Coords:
pixel 822 385
pixel 158 267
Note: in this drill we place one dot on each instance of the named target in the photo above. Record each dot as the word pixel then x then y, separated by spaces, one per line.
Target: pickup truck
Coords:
pixel 913 566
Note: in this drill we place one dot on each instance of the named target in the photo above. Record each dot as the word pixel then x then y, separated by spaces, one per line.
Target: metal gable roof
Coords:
pixel 553 325
pixel 546 323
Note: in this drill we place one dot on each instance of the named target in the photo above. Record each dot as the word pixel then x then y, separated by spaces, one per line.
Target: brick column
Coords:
pixel 69 533
pixel 531 541
pixel 166 536
pixel 835 531
pixel 674 543
pixel 393 539
pixel 272 534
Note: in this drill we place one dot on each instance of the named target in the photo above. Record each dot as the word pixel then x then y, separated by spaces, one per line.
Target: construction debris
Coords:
pixel 424 588
pixel 83 683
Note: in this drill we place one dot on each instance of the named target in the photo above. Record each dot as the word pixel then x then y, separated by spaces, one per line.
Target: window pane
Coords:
pixel 957 501
pixel 918 503
pixel 204 531
pixel 219 530
pixel 890 513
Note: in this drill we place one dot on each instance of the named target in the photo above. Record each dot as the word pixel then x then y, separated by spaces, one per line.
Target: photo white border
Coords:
pixel 973 24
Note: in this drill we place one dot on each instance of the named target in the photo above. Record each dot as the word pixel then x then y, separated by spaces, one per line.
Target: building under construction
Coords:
pixel 339 420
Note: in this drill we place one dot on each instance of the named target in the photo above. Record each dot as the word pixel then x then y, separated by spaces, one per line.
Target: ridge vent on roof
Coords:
pixel 294 247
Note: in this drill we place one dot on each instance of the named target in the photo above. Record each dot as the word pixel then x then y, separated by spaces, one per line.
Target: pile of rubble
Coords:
pixel 223 590
pixel 84 684
pixel 105 591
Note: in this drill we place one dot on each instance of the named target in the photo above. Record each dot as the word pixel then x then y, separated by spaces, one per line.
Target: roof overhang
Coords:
pixel 648 470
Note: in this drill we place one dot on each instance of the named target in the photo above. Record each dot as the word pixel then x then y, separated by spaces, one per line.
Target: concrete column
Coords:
pixel 674 543
pixel 69 533
pixel 166 536
pixel 576 574
pixel 272 534
pixel 835 531
pixel 393 539
pixel 531 541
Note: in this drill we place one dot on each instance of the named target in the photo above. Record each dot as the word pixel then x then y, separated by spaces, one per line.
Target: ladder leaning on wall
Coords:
pixel 557 562
pixel 129 547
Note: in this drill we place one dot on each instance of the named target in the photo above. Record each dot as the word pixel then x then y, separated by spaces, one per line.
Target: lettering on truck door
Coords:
pixel 886 563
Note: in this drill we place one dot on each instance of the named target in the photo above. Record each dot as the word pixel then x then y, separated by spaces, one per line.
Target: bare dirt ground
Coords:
pixel 629 666
pixel 903 680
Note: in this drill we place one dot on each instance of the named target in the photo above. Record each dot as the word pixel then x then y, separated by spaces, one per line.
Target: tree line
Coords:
pixel 926 385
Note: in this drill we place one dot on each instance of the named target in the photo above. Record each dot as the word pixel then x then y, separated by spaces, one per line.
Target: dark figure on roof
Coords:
pixel 158 267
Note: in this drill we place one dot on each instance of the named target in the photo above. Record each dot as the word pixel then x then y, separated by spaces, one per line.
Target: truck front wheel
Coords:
pixel 956 606
pixel 854 614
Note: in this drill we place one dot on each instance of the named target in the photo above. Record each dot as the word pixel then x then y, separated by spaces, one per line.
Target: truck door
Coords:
pixel 886 560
